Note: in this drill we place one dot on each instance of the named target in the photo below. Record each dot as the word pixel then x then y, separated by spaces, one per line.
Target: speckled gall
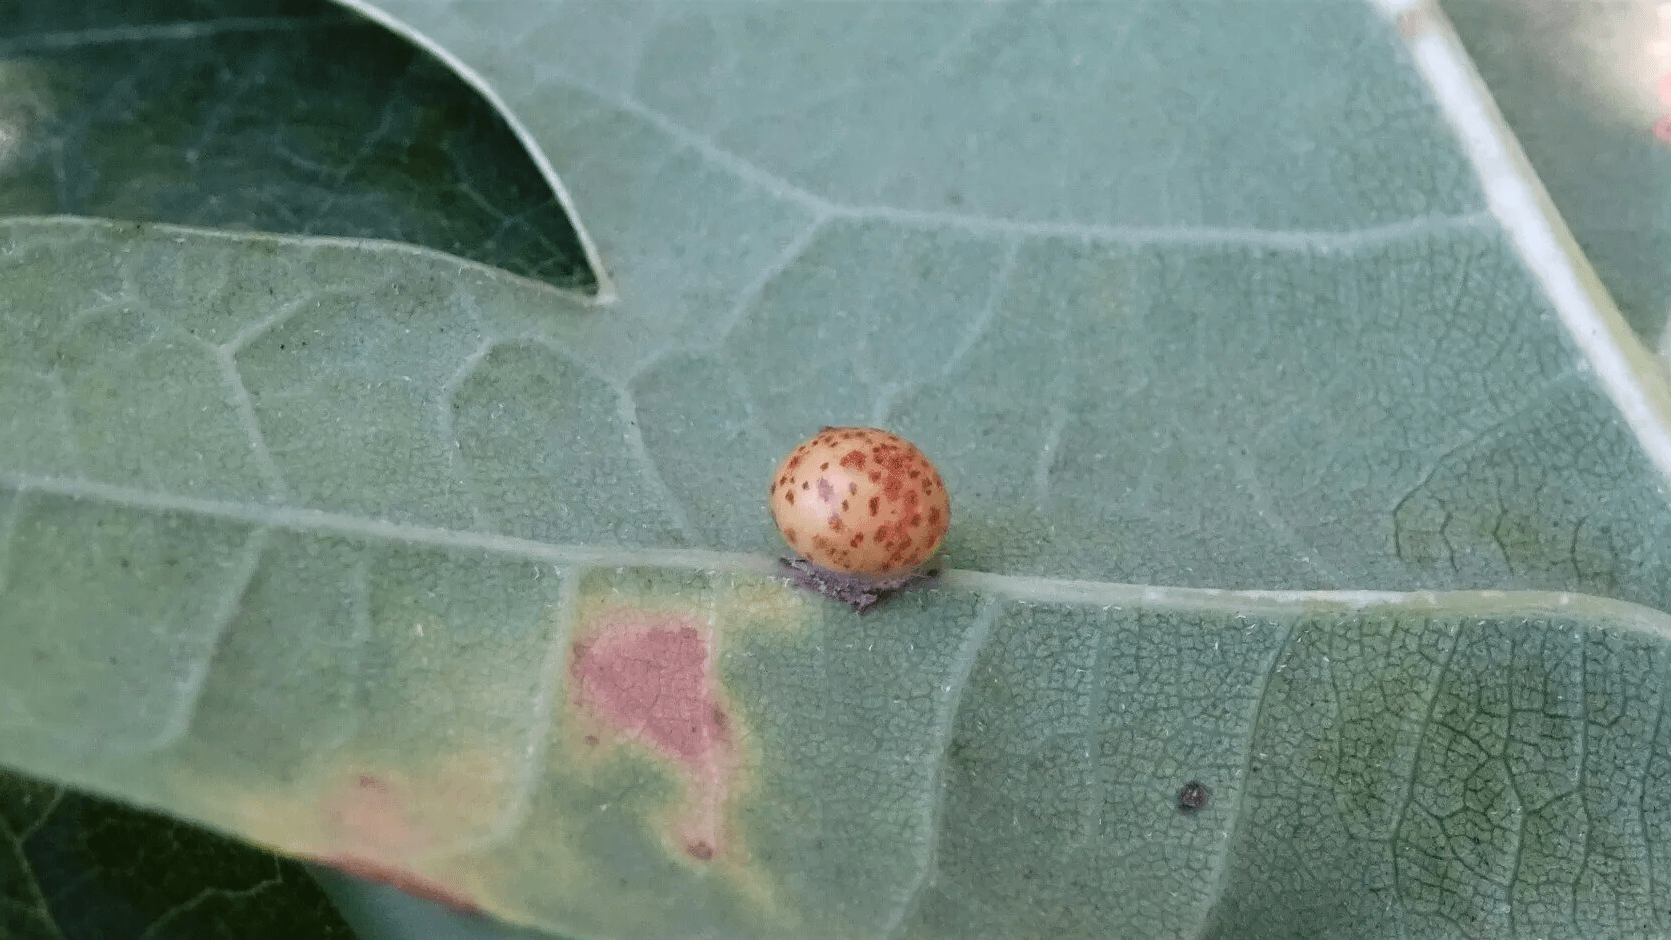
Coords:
pixel 860 502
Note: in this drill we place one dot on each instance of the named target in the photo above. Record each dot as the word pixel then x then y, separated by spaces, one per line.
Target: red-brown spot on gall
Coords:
pixel 790 535
pixel 700 850
pixel 880 474
pixel 893 460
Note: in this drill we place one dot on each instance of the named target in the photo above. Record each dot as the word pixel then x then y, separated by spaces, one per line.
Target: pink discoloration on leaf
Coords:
pixel 648 676
pixel 1662 129
pixel 652 681
pixel 369 815
pixel 370 833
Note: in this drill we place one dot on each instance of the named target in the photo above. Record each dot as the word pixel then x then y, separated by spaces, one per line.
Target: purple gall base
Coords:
pixel 860 593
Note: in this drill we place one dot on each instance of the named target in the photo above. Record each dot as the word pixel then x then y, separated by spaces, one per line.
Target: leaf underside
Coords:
pixel 405 564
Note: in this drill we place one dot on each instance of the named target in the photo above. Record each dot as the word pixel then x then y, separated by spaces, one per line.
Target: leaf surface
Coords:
pixel 1282 463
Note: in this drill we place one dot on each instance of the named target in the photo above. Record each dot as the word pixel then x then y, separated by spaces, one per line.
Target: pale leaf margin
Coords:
pixel 1632 376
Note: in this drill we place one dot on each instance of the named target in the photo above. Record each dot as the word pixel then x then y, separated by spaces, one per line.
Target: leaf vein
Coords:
pixel 1623 615
pixel 197 669
pixel 933 804
pixel 1220 865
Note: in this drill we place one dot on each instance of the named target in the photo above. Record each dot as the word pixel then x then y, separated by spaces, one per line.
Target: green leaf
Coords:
pixel 1596 73
pixel 80 868
pixel 250 114
pixel 1297 463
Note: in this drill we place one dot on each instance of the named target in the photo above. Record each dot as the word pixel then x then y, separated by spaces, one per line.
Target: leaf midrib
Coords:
pixel 1616 613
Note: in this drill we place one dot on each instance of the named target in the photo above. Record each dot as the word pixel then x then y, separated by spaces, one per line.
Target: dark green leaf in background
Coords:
pixel 74 867
pixel 293 117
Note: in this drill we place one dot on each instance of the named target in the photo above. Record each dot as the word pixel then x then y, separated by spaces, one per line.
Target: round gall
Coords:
pixel 860 501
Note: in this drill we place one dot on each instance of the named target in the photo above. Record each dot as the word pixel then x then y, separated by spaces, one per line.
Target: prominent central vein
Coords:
pixel 1023 588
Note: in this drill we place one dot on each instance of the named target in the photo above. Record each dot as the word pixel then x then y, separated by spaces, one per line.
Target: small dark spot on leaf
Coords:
pixel 1193 796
